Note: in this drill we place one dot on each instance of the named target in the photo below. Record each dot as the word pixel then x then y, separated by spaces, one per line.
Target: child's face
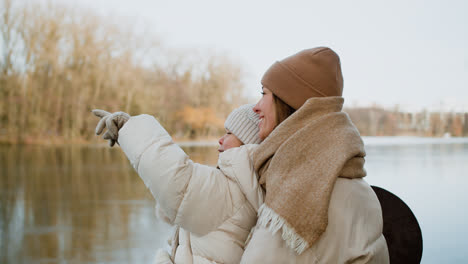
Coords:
pixel 228 141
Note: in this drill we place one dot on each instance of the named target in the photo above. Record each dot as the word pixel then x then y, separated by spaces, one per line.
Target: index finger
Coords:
pixel 100 113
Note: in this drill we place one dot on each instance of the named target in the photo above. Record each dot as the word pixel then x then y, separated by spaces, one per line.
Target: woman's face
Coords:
pixel 265 109
pixel 228 141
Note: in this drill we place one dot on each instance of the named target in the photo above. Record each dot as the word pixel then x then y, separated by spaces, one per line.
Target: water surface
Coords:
pixel 87 205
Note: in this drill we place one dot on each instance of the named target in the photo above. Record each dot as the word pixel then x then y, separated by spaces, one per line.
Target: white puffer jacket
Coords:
pixel 353 234
pixel 215 207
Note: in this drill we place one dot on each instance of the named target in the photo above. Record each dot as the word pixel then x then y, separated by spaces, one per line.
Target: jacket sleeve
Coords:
pixel 194 196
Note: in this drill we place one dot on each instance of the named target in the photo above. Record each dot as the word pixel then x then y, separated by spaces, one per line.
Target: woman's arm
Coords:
pixel 196 197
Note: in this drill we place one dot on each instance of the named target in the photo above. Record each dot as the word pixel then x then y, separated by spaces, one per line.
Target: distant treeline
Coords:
pixel 57 64
pixel 376 121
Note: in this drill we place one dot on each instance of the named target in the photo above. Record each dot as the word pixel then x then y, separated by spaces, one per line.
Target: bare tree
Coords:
pixel 58 64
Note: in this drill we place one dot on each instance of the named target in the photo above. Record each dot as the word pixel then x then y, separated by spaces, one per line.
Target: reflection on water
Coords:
pixel 77 205
pixel 87 205
pixel 432 179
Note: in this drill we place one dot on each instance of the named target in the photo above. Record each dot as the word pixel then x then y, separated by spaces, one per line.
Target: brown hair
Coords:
pixel 282 109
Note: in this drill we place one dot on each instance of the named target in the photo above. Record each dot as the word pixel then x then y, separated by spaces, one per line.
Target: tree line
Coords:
pixel 377 121
pixel 57 64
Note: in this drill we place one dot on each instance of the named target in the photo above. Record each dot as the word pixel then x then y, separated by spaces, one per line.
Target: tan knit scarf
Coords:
pixel 298 164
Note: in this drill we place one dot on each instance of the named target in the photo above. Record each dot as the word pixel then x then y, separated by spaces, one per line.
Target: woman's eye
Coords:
pixel 263 93
pixel 229 133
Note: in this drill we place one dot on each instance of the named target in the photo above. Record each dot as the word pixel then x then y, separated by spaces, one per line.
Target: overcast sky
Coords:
pixel 411 53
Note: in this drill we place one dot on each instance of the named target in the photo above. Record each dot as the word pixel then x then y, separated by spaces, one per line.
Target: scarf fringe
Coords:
pixel 273 222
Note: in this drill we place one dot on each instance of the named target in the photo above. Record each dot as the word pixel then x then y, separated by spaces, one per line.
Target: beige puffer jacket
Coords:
pixel 353 235
pixel 215 207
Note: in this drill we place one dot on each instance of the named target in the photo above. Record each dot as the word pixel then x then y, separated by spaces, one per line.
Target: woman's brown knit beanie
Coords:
pixel 310 73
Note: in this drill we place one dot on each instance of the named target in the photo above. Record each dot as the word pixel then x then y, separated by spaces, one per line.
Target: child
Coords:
pixel 215 208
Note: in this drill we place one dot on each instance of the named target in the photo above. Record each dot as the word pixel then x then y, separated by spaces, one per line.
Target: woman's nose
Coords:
pixel 256 108
pixel 221 140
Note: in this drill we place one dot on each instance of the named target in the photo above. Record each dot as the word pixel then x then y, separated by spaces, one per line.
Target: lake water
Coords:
pixel 87 205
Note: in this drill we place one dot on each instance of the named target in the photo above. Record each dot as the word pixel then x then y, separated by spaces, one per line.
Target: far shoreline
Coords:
pixel 211 142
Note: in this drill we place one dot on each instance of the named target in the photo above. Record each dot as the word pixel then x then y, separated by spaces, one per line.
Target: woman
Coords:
pixel 317 207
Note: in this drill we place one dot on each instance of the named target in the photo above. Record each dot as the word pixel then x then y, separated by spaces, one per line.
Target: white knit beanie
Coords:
pixel 243 123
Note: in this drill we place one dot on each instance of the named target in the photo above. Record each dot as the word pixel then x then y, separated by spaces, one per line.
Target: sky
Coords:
pixel 408 53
